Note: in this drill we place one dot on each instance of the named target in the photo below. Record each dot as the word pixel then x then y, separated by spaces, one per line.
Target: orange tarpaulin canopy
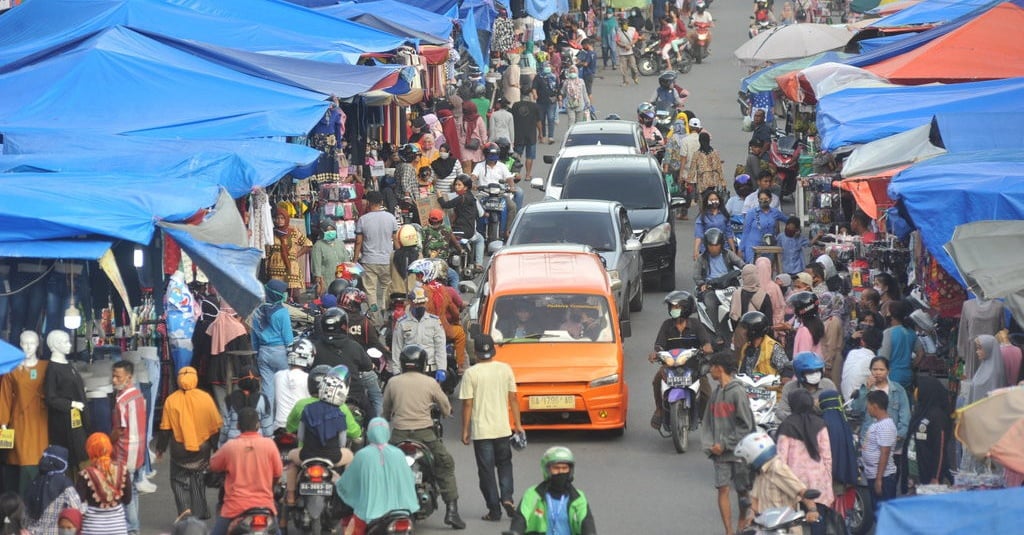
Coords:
pixel 871 191
pixel 986 48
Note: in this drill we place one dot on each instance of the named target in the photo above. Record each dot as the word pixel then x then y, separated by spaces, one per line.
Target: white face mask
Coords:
pixel 443 155
pixel 812 378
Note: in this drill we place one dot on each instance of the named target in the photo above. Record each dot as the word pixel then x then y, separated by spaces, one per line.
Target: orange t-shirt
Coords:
pixel 253 464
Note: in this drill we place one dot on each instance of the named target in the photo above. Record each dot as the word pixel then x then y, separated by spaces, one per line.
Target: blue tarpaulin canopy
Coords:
pixel 10 357
pixel 397 18
pixel 67 249
pixel 966 132
pixel 871 45
pixel 267 26
pixel 860 115
pixel 119 81
pixel 956 188
pixel 931 12
pixel 976 511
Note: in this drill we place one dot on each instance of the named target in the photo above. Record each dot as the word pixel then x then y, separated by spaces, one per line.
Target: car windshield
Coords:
pixel 625 139
pixel 563 318
pixel 588 228
pixel 635 190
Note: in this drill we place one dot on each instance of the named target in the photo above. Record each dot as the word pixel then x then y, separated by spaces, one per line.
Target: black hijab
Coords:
pixel 803 424
pixel 50 483
pixel 932 403
pixel 443 168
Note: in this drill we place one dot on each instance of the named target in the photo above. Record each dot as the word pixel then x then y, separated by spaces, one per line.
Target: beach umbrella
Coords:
pixel 795 41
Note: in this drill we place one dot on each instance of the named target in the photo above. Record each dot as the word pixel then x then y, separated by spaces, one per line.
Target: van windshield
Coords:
pixel 635 190
pixel 551 318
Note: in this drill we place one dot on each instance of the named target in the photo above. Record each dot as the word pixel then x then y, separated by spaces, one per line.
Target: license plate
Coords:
pixel 552 402
pixel 307 488
pixel 682 379
pixel 759 393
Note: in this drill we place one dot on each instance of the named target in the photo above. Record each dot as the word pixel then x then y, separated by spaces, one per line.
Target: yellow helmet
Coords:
pixel 408 236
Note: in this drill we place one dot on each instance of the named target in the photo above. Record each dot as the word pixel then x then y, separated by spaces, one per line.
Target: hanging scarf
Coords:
pixel 435 128
pixel 190 413
pixel 991 372
pixel 224 328
pixel 803 424
pixel 840 436
pixel 50 483
pixel 105 478
pixel 750 292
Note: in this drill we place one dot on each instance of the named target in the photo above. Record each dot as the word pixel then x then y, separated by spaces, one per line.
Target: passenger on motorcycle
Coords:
pixel 360 327
pixel 408 251
pixel 378 480
pixel 422 329
pixel 464 206
pixel 645 116
pixel 438 242
pixel 291 385
pixel 408 398
pixel 808 369
pixel 678 332
pixel 554 505
pixel 775 484
pixel 353 429
pixel 701 16
pixel 761 353
pixel 247 394
pixel 669 96
pixel 323 429
pixel 252 464
pixel 440 303
pixel 335 346
pixel 666 36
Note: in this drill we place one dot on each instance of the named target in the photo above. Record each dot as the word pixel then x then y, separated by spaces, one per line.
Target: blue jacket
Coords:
pixel 278 332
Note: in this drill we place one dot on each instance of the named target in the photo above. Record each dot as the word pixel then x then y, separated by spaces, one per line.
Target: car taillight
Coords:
pixel 402 525
pixel 315 473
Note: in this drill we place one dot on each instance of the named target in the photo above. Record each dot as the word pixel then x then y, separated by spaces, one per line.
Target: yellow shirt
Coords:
pixel 488 385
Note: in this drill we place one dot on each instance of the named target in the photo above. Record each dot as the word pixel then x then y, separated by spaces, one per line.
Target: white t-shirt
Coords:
pixel 488 385
pixel 289 387
pixel 856 369
pixel 697 17
pixel 502 126
pixel 486 174
pixel 881 434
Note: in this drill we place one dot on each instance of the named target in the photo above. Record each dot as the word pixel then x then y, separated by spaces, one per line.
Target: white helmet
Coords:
pixel 301 353
pixel 425 267
pixel 333 390
pixel 756 449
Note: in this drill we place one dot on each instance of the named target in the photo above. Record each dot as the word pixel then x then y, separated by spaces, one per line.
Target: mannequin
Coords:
pixel 65 398
pixel 22 408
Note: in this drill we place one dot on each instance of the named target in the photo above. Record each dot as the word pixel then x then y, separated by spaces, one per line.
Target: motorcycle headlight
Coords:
pixel 606 380
pixel 658 234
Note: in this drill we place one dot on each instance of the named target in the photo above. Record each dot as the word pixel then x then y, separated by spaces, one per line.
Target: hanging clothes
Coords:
pixel 977 317
pixel 261 222
pixel 22 409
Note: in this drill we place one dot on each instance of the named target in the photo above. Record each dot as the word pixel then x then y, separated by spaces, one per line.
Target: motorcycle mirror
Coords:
pixel 625 328
pixel 537 183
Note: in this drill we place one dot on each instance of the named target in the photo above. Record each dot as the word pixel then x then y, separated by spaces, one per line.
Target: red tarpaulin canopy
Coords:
pixel 986 48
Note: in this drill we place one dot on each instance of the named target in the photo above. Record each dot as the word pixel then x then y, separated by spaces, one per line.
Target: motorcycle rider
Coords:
pixel 669 96
pixel 761 353
pixel 514 164
pixel 464 205
pixel 490 172
pixel 291 385
pixel 701 16
pixel 422 329
pixel 335 346
pixel 808 369
pixel 440 303
pixel 716 260
pixel 252 464
pixel 775 484
pixel 408 398
pixel 645 113
pixel 677 332
pixel 439 242
pixel 555 501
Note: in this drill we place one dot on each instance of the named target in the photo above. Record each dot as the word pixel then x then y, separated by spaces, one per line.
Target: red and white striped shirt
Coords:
pixel 130 421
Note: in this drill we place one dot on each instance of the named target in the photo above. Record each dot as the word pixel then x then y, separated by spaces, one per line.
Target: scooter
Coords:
pixel 790 520
pixel 679 390
pixel 393 523
pixel 762 390
pixel 785 158
pixel 419 458
pixel 758 26
pixel 254 521
pixel 699 50
pixel 461 259
pixel 318 507
pixel 649 61
pixel 714 307
pixel 494 223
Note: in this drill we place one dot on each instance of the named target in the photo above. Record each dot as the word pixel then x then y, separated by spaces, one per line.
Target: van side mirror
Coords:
pixel 537 183
pixel 678 202
pixel 633 244
pixel 549 159
pixel 474 329
pixel 626 328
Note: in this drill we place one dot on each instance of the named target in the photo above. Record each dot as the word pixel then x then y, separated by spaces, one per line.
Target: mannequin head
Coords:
pixel 60 345
pixel 30 345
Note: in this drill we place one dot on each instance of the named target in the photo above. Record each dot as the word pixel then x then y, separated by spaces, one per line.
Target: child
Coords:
pixel 793 245
pixel 877 450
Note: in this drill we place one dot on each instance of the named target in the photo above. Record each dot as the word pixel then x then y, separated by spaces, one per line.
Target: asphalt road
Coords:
pixel 635 483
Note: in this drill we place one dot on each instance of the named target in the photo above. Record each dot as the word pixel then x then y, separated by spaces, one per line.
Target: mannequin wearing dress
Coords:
pixel 65 398
pixel 22 409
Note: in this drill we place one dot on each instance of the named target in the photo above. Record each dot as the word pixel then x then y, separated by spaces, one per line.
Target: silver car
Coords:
pixel 602 225
pixel 560 163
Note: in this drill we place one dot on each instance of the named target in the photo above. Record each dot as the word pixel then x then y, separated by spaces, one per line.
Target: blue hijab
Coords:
pixel 844 454
pixel 378 480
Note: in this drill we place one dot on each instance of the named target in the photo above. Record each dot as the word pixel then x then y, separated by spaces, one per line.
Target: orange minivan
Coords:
pixel 550 310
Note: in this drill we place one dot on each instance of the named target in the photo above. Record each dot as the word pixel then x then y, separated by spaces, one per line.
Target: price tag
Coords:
pixel 76 418
pixel 377 169
pixel 6 439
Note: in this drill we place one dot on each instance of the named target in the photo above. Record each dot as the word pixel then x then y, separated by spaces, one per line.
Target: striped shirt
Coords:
pixel 881 434
pixel 130 419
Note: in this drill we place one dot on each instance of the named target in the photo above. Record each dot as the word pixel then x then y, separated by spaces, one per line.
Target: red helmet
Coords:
pixel 352 299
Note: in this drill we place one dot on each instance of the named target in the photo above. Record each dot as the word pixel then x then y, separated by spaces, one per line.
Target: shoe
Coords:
pixel 145 486
pixel 492 516
pixel 451 516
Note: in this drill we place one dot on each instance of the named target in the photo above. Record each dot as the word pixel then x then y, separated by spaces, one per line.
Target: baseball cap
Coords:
pixel 695 123
pixel 483 346
pixel 805 278
pixel 435 216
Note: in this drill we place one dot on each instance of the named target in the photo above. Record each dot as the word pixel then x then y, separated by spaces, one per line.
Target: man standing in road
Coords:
pixel 252 464
pixel 762 134
pixel 376 232
pixel 526 116
pixel 487 392
pixel 624 41
pixel 128 433
pixel 727 420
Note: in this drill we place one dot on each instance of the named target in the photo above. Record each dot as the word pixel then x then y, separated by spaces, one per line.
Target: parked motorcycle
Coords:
pixel 785 159
pixel 649 61
pixel 494 223
pixel 679 390
pixel 318 508
pixel 763 392
pixel 699 50
pixel 714 307
pixel 419 458
pixel 254 521
pixel 393 523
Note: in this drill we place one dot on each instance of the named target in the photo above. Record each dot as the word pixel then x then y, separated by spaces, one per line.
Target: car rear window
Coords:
pixel 588 228
pixel 636 190
pixel 624 139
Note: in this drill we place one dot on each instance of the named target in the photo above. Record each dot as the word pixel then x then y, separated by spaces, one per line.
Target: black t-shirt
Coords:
pixel 525 116
pixel 545 90
pixel 465 214
pixel 669 336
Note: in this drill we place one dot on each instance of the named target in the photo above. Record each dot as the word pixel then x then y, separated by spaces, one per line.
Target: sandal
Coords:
pixel 510 508
pixel 492 516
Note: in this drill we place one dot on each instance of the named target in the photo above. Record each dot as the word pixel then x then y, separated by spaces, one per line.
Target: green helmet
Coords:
pixel 556 454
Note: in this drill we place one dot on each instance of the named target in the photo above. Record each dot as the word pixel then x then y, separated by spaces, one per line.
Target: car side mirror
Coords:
pixel 549 159
pixel 626 328
pixel 678 202
pixel 537 183
pixel 495 246
pixel 633 245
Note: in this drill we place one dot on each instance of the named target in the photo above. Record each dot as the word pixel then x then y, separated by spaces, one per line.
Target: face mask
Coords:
pixel 675 313
pixel 572 76
pixel 443 155
pixel 812 378
pixel 418 312
pixel 330 235
pixel 67 531
pixel 765 204
pixel 559 483
pixel 547 70
pixel 713 204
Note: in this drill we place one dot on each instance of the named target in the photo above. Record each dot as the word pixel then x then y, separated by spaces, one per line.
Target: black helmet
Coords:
pixel 755 323
pixel 667 79
pixel 409 152
pixel 338 287
pixel 613 117
pixel 334 321
pixel 803 302
pixel 413 358
pixel 714 236
pixel 504 146
pixel 682 299
pixel 315 376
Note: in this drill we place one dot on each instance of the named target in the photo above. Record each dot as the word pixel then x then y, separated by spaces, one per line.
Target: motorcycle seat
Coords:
pixel 318 460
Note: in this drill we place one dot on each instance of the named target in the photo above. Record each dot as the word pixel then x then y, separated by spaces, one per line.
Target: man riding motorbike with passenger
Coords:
pixel 701 17
pixel 669 95
pixel 335 346
pixel 655 140
pixel 678 332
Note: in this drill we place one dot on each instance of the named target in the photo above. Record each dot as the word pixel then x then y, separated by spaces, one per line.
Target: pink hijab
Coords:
pixel 764 276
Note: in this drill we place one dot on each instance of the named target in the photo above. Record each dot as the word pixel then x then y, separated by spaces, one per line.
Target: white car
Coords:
pixel 560 163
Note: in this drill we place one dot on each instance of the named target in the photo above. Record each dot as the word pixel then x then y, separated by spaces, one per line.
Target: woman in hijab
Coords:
pixel 190 427
pixel 574 96
pixel 990 374
pixel 706 166
pixel 929 431
pixel 50 492
pixel 378 480
pixel 271 334
pixel 844 452
pixel 803 443
pixel 751 298
pixel 831 313
pixel 105 487
pixel 247 394
pixel 472 136
pixel 434 124
pixel 444 169
pixel 451 132
pixel 767 283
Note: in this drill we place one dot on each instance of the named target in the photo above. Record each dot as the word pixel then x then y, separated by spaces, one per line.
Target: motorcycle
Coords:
pixel 759 26
pixel 461 259
pixel 785 159
pixel 419 458
pixel 494 223
pixel 393 523
pixel 254 521
pixel 700 49
pixel 714 304
pixel 679 390
pixel 318 508
pixel 649 61
pixel 763 392
pixel 285 443
pixel 736 222
pixel 791 520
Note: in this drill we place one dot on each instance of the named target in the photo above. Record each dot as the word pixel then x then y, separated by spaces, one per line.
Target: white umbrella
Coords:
pixel 784 43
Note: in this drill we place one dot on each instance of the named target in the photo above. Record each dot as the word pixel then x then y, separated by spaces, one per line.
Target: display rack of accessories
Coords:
pixel 822 205
pixel 338 204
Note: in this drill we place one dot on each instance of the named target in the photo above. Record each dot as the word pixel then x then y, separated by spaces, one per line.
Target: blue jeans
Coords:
pixel 548 119
pixel 27 305
pixel 518 197
pixel 494 454
pixel 888 489
pixel 372 387
pixel 131 511
pixel 270 360
pixel 147 394
pixel 58 297
pixel 453 277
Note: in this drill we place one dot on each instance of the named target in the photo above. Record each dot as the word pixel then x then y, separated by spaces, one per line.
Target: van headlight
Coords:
pixel 658 234
pixel 604 381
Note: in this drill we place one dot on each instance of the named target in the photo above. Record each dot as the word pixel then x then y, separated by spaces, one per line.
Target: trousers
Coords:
pixel 189 491
pixel 269 361
pixel 377 281
pixel 444 464
pixel 26 306
pixel 494 454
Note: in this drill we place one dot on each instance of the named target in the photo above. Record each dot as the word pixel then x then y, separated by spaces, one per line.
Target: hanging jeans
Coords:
pixel 58 297
pixel 100 412
pixel 26 306
pixel 270 360
pixel 152 363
